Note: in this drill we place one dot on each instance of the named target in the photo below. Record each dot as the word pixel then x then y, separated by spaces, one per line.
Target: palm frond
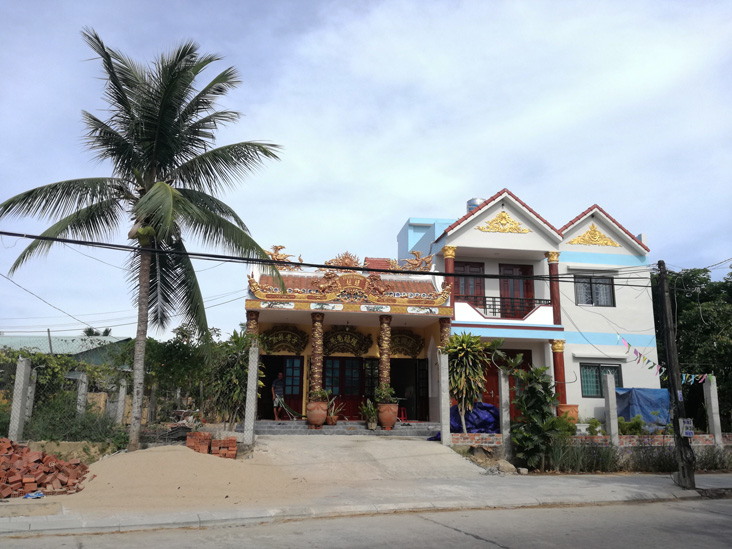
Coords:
pixel 212 204
pixel 222 167
pixel 191 299
pixel 95 222
pixel 64 197
pixel 157 208
pixel 108 144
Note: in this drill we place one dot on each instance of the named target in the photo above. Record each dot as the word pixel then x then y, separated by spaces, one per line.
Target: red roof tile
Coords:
pixel 490 201
pixel 611 218
pixel 376 263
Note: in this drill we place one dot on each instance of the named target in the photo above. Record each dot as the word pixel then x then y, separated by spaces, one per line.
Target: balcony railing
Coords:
pixel 502 307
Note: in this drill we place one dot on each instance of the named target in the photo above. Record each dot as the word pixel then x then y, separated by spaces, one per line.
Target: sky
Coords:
pixel 385 110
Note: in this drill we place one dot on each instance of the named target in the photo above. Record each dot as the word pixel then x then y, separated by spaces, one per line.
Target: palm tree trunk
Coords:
pixel 138 365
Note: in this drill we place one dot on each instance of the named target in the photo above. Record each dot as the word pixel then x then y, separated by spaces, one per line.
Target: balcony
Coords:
pixel 502 307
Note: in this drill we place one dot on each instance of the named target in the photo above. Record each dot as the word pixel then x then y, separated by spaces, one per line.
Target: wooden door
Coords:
pixel 490 392
pixel 344 377
pixel 517 294
pixel 293 382
pixel 468 289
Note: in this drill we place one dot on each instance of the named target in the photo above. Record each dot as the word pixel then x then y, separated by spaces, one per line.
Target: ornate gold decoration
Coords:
pixel 444 331
pixel 348 288
pixel 304 305
pixel 275 255
pixel 417 263
pixel 286 338
pixel 316 358
pixel 552 257
pixel 405 342
pixel 449 252
pixel 253 322
pixel 385 350
pixel 346 259
pixel 344 339
pixel 557 345
pixel 502 223
pixel 593 237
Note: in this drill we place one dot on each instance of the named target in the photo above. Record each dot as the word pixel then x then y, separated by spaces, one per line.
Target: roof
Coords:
pixel 597 208
pixel 62 345
pixel 491 200
pixel 401 285
pixel 376 263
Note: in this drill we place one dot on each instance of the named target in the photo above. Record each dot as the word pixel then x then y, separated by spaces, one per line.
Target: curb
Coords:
pixel 77 524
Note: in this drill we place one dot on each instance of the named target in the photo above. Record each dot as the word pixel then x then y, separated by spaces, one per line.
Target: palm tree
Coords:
pixel 166 177
pixel 93 332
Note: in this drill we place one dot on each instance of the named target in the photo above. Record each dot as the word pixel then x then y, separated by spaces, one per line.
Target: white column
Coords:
pixel 611 410
pixel 119 415
pixel 20 399
pixel 81 392
pixel 504 396
pixel 31 394
pixel 445 434
pixel 250 409
pixel 711 399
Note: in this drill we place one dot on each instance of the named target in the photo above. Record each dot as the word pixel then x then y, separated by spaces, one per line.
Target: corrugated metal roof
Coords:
pixel 62 345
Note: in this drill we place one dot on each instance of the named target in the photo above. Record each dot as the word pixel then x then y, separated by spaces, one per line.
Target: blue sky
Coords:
pixel 387 110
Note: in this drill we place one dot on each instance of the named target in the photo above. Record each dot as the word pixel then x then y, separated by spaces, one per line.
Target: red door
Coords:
pixel 470 290
pixel 344 378
pixel 517 294
pixel 293 382
pixel 490 393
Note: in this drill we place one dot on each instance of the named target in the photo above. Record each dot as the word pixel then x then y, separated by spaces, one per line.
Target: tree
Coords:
pixel 93 332
pixel 166 179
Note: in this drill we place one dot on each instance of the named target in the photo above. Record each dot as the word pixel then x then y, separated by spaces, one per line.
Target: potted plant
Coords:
pixel 387 405
pixel 334 411
pixel 370 413
pixel 317 407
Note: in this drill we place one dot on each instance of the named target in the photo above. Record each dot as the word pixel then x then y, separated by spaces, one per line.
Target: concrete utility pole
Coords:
pixel 684 453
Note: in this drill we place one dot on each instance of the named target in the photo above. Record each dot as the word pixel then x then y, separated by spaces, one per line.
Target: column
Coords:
pixel 385 350
pixel 711 400
pixel 250 406
pixel 445 434
pixel 611 410
pixel 504 396
pixel 445 324
pixel 316 361
pixel 553 259
pixel 253 322
pixel 82 389
pixel 119 416
pixel 20 399
pixel 448 252
pixel 559 379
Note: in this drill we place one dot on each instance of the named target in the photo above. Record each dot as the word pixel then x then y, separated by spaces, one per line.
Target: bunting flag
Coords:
pixel 640 358
pixel 695 378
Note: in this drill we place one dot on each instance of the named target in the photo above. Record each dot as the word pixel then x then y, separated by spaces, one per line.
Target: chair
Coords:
pixel 402 414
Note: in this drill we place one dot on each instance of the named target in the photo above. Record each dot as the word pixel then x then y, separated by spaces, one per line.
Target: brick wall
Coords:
pixel 489 439
pixel 477 439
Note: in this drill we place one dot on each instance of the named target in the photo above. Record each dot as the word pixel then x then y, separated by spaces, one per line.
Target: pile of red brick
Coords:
pixel 23 472
pixel 204 443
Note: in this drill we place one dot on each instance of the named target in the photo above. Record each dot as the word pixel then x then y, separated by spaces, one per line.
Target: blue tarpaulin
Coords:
pixel 632 402
pixel 485 418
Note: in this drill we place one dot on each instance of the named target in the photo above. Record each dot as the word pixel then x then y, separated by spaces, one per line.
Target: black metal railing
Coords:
pixel 502 307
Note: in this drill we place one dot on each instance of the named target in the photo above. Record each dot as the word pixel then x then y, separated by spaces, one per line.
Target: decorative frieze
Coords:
pixel 385 350
pixel 345 339
pixel 594 237
pixel 286 338
pixel 503 223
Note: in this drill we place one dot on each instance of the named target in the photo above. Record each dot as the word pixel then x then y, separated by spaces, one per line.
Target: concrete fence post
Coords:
pixel 121 402
pixel 445 434
pixel 711 399
pixel 82 390
pixel 611 410
pixel 31 394
pixel 20 399
pixel 504 396
pixel 250 408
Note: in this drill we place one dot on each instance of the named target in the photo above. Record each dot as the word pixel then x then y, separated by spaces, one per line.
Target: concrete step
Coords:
pixel 300 427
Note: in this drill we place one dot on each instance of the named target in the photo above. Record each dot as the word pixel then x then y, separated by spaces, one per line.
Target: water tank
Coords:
pixel 474 203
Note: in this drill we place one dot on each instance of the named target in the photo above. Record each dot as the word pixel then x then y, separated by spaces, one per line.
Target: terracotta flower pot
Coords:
pixel 572 411
pixel 316 413
pixel 331 420
pixel 388 415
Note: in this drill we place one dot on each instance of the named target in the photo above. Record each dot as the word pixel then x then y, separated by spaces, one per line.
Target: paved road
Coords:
pixel 697 523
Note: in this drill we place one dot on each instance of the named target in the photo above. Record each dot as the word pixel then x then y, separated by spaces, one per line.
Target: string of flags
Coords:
pixel 695 378
pixel 640 358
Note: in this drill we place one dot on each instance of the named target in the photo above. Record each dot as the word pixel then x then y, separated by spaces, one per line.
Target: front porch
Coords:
pixel 414 429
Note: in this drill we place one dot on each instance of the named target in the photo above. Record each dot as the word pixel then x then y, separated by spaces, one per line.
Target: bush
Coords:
pixel 711 458
pixel 4 418
pixel 595 428
pixel 652 459
pixel 635 426
pixel 567 457
pixel 56 420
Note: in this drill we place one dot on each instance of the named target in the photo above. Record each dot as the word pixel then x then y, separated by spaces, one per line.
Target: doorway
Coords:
pixel 292 368
pixel 517 294
pixel 490 392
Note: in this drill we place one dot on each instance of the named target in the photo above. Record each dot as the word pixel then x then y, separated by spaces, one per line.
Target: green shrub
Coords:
pixel 711 458
pixel 56 420
pixel 652 459
pixel 635 426
pixel 595 428
pixel 4 418
pixel 568 457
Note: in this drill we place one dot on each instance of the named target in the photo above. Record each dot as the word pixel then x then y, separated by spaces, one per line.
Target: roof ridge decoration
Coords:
pixel 417 263
pixel 346 259
pixel 594 237
pixel 275 255
pixel 503 223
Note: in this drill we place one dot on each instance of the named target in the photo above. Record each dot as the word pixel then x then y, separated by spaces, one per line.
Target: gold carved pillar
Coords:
pixel 253 322
pixel 316 360
pixel 448 252
pixel 444 331
pixel 559 379
pixel 385 350
pixel 553 259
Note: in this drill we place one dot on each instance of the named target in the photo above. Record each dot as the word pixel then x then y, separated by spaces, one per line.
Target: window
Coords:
pixel 594 290
pixel 592 380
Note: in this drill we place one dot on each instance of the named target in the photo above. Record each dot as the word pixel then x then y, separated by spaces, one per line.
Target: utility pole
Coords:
pixel 684 454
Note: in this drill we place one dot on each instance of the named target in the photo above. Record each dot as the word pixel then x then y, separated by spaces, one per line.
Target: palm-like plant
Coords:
pixel 166 178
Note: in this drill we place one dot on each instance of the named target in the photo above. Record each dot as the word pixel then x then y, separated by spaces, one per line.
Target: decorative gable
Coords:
pixel 503 223
pixel 594 237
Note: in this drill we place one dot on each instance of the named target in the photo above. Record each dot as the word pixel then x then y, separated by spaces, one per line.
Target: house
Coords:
pixel 575 299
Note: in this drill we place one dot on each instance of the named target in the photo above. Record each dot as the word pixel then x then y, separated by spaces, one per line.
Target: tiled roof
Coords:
pixel 62 345
pixel 490 201
pixel 376 263
pixel 611 218
pixel 400 284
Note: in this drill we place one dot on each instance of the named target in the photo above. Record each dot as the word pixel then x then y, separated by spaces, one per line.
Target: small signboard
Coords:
pixel 687 427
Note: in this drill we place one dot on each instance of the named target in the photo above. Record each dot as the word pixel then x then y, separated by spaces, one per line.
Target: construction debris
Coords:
pixel 203 443
pixel 24 472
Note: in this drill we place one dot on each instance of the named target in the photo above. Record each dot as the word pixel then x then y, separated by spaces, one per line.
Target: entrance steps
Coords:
pixel 419 429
